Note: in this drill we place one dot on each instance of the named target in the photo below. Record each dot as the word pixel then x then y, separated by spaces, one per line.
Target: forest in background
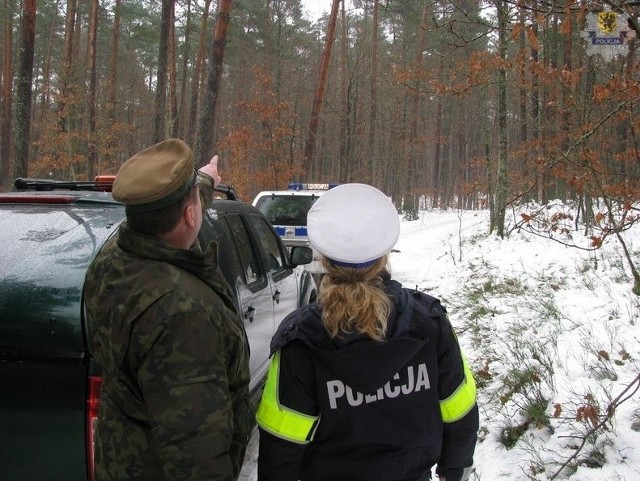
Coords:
pixel 466 104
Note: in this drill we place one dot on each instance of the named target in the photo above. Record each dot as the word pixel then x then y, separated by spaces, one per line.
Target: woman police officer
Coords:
pixel 369 383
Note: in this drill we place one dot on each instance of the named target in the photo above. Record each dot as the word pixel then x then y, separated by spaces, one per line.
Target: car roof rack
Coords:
pixel 102 183
pixel 227 190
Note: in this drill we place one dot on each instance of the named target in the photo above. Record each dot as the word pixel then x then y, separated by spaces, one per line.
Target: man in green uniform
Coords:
pixel 164 329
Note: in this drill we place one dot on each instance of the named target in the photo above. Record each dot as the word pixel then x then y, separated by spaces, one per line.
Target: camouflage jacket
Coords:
pixel 174 354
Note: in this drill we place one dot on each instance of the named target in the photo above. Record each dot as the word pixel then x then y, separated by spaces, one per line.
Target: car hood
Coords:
pixel 46 251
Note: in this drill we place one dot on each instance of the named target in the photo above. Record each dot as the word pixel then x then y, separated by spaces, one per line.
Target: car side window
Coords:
pixel 216 229
pixel 274 257
pixel 242 240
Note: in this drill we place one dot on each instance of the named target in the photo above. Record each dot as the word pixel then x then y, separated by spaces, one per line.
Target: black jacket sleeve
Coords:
pixel 460 436
pixel 279 459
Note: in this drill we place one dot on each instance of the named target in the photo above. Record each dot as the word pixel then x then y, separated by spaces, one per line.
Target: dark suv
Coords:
pixel 49 385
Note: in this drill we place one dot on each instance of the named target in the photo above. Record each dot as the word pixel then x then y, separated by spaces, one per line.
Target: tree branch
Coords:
pixel 634 386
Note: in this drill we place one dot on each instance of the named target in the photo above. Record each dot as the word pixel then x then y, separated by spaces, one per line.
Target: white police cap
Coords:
pixel 353 225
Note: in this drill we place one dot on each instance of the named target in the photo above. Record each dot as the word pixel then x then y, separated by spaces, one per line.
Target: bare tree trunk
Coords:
pixel 566 92
pixel 91 66
pixel 46 73
pixel 197 75
pixel 65 91
pixel 437 156
pixel 372 144
pixel 206 124
pixel 23 88
pixel 535 109
pixel 501 177
pixel 185 65
pixel 491 200
pixel 310 143
pixel 161 86
pixel 523 78
pixel 413 155
pixel 112 87
pixel 173 80
pixel 7 84
pixel 113 70
pixel 550 111
pixel 344 102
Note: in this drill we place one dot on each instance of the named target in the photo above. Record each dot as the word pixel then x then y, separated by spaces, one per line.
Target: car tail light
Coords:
pixel 93 404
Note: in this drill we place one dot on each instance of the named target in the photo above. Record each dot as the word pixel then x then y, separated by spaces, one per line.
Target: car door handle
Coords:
pixel 276 296
pixel 249 313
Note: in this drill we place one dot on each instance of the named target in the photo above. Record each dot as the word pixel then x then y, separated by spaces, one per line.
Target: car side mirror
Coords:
pixel 301 255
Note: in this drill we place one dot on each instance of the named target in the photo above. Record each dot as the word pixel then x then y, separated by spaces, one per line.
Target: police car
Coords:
pixel 287 212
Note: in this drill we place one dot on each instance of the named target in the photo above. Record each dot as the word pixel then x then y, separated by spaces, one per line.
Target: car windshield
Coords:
pixel 286 209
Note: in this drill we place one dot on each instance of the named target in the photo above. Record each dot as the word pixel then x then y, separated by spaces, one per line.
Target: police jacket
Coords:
pixel 174 354
pixel 351 408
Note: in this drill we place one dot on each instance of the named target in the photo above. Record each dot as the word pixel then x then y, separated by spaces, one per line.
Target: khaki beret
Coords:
pixel 156 177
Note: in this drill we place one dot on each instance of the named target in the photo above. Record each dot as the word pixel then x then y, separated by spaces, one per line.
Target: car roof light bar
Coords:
pixel 306 186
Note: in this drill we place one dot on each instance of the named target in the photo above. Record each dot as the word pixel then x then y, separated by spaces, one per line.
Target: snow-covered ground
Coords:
pixel 552 334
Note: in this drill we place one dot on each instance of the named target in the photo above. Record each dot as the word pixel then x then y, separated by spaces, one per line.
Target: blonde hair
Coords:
pixel 353 300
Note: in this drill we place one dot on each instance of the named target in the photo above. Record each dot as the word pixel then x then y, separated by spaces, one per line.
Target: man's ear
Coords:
pixel 190 214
